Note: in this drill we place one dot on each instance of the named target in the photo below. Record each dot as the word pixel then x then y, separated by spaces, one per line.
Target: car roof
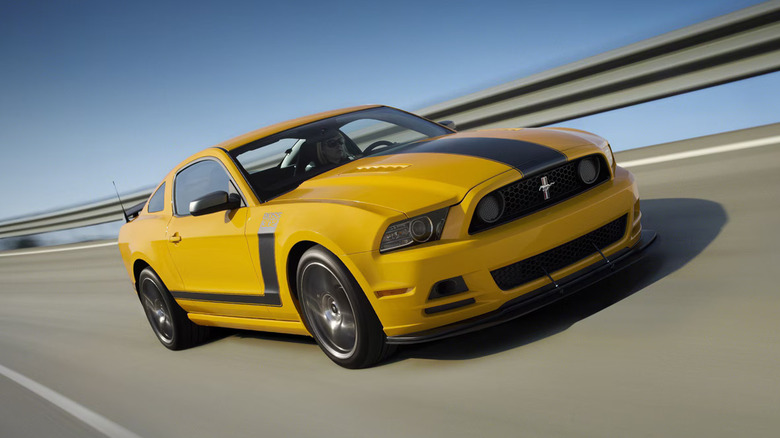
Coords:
pixel 249 137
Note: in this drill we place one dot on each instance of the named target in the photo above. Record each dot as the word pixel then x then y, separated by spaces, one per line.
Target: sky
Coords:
pixel 98 91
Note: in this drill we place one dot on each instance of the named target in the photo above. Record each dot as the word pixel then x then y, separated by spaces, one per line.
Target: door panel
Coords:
pixel 212 254
pixel 210 251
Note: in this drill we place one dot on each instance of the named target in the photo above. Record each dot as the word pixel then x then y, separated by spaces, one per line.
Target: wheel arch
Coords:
pixel 293 259
pixel 138 266
pixel 291 268
pixel 370 345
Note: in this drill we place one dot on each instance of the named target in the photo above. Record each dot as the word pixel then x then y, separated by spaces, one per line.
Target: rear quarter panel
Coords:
pixel 145 238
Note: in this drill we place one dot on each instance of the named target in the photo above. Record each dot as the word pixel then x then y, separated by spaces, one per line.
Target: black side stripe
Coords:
pixel 267 269
pixel 524 156
pixel 263 300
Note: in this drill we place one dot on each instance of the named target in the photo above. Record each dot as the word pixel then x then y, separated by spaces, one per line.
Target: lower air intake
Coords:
pixel 559 257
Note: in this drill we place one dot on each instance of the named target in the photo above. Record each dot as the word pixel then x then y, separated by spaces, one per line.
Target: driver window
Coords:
pixel 268 156
pixel 199 179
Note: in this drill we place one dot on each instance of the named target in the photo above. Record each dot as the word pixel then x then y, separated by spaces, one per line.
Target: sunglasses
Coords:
pixel 334 142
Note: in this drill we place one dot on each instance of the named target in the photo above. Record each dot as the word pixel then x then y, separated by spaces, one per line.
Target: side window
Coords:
pixel 157 202
pixel 268 156
pixel 199 179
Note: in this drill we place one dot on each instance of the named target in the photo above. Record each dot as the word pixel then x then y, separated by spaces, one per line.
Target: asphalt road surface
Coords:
pixel 684 343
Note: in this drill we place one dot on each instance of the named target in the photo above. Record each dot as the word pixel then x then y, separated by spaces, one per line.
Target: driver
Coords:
pixel 332 150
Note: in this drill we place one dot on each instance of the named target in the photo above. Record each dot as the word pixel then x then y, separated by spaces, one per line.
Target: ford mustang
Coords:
pixel 370 227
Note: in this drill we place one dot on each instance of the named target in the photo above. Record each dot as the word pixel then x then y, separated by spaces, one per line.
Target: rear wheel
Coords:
pixel 336 311
pixel 168 320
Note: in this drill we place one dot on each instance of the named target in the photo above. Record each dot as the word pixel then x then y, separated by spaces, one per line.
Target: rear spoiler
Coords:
pixel 134 211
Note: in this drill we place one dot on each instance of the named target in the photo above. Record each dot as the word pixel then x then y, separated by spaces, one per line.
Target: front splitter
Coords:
pixel 539 298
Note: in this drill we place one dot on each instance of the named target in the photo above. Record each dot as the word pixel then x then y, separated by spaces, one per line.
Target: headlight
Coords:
pixel 413 231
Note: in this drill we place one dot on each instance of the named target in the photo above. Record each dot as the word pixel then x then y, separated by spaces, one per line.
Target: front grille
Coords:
pixel 559 257
pixel 524 197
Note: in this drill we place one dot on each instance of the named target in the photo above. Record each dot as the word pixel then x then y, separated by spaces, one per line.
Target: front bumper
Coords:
pixel 541 297
pixel 399 284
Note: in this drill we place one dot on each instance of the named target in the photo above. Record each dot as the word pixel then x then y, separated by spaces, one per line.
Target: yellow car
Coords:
pixel 370 227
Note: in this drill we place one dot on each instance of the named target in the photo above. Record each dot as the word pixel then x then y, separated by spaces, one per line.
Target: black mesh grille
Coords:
pixel 559 257
pixel 524 197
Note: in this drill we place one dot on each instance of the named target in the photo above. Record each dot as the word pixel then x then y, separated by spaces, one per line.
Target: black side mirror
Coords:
pixel 449 123
pixel 214 202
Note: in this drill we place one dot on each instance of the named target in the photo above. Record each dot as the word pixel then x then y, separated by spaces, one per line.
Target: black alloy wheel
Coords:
pixel 168 320
pixel 337 312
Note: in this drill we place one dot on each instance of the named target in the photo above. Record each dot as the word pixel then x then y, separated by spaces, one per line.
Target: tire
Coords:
pixel 337 312
pixel 168 320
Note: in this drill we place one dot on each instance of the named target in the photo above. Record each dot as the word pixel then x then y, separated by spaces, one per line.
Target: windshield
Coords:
pixel 279 163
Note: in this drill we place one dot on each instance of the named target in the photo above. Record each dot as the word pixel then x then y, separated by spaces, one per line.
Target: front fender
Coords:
pixel 342 228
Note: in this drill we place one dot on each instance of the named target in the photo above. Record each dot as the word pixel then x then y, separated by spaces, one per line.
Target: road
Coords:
pixel 684 343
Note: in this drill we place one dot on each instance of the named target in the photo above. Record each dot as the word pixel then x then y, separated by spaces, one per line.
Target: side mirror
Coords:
pixel 449 123
pixel 214 202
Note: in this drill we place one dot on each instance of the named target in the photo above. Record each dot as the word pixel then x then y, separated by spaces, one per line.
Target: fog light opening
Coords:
pixel 589 169
pixel 450 286
pixel 491 207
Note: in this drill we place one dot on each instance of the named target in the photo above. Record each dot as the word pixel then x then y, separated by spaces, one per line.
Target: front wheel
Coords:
pixel 336 311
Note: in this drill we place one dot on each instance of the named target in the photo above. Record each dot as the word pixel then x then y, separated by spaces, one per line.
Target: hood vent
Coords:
pixel 379 168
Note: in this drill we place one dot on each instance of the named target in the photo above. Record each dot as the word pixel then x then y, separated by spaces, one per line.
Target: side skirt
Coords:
pixel 265 325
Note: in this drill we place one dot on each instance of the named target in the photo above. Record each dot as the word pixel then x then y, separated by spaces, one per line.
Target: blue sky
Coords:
pixel 95 91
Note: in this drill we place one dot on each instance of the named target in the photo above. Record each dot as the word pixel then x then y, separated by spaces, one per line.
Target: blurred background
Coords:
pixel 95 92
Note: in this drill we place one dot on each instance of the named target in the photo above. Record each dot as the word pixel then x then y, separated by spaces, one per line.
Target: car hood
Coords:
pixel 438 172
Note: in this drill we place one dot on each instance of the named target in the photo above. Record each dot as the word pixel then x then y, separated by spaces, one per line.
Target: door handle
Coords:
pixel 175 238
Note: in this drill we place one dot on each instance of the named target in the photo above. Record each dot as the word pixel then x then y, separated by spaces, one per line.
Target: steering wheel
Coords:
pixel 377 144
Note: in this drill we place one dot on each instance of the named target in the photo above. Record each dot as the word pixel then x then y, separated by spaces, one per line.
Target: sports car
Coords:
pixel 371 227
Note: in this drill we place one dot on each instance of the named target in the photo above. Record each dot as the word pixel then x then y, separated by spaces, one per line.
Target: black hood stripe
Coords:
pixel 526 157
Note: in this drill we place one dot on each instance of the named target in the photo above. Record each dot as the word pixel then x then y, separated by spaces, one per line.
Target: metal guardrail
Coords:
pixel 735 46
pixel 80 216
